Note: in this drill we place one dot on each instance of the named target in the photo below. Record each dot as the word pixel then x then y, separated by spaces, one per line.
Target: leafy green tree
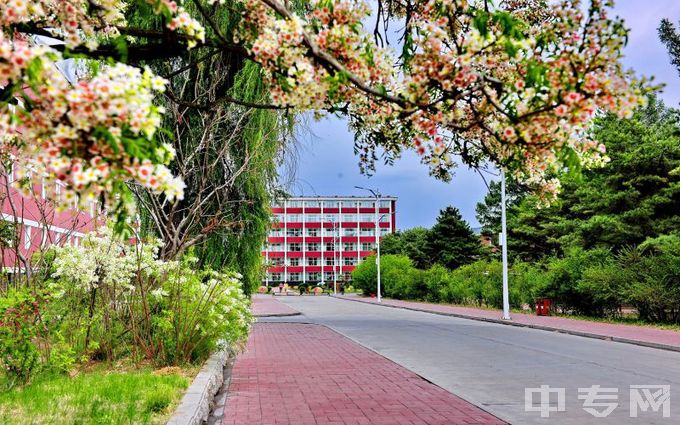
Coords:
pixel 410 242
pixel 670 37
pixel 397 277
pixel 489 210
pixel 451 242
pixel 634 197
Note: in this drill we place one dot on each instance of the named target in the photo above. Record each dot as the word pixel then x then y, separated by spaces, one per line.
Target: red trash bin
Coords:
pixel 543 307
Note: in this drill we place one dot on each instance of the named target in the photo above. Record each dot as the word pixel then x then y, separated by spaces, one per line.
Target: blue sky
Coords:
pixel 326 165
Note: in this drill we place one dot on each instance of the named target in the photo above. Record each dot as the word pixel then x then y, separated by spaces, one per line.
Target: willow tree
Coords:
pixel 226 154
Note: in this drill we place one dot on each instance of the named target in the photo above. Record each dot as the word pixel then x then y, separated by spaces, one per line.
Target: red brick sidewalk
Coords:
pixel 308 374
pixel 267 306
pixel 642 335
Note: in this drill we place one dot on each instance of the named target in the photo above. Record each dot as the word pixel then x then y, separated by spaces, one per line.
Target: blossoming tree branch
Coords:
pixel 515 83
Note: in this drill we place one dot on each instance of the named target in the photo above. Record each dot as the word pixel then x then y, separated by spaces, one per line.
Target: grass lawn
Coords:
pixel 96 397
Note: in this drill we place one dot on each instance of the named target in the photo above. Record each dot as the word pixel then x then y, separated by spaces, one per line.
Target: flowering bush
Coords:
pixel 109 299
pixel 200 311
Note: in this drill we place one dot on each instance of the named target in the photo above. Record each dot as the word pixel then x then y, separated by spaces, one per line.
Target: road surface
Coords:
pixel 491 365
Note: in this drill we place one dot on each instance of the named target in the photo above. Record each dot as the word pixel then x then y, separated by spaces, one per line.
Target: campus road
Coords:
pixel 490 365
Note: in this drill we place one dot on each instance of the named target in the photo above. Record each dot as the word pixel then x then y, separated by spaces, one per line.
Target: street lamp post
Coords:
pixel 335 270
pixel 376 194
pixel 504 247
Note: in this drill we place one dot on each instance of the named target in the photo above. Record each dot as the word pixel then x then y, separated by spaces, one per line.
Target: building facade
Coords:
pixel 321 239
pixel 30 222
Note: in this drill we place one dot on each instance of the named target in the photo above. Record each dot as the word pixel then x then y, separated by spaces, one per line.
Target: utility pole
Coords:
pixel 376 194
pixel 504 247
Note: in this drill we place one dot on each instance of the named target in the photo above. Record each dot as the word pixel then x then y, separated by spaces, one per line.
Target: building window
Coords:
pixel 314 276
pixel 349 231
pixel 367 246
pixel 349 204
pixel 294 261
pixel 294 232
pixel 294 218
pixel 27 237
pixel 330 231
pixel 312 246
pixel 384 204
pixel 10 173
pixel 384 218
pixel 328 276
pixel 330 261
pixel 276 261
pixel 313 232
pixel 276 233
pixel 279 218
pixel 384 231
pixel 349 217
pixel 295 277
pixel 367 231
pixel 330 218
pixel 349 246
pixel 330 246
pixel 349 261
pixel 295 247
pixel 276 247
pixel 294 204
pixel 347 276
pixel 312 218
pixel 313 261
pixel 366 204
pixel 276 277
pixel 330 204
pixel 312 204
pixel 367 218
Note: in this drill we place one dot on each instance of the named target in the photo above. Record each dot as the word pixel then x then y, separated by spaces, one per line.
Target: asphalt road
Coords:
pixel 490 365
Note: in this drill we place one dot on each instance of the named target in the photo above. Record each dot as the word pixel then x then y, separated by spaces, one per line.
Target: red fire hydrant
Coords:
pixel 543 307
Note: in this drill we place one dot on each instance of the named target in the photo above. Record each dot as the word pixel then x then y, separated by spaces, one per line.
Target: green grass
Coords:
pixel 94 397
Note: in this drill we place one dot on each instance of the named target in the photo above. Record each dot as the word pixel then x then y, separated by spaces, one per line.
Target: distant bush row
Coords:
pixel 587 282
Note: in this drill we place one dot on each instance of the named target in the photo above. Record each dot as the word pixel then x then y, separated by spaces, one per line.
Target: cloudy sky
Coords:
pixel 326 165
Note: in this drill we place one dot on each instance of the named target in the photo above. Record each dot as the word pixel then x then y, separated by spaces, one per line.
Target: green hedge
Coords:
pixel 592 282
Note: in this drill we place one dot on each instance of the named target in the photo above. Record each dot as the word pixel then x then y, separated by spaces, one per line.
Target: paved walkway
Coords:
pixel 643 335
pixel 308 374
pixel 267 306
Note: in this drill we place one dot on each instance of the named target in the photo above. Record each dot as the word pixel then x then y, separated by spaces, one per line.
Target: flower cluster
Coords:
pixel 518 86
pixel 179 20
pixel 75 21
pixel 86 135
pixel 297 80
pixel 92 135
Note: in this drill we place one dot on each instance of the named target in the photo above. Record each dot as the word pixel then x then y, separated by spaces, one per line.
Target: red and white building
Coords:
pixel 321 239
pixel 33 221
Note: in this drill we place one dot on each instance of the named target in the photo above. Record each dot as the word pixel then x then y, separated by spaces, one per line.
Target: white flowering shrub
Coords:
pixel 202 311
pixel 111 298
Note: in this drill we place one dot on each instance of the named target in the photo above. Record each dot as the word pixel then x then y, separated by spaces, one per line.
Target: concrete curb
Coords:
pixel 297 313
pixel 647 344
pixel 194 409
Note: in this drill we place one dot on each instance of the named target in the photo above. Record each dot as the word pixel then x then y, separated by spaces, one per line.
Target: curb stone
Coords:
pixel 655 345
pixel 198 400
pixel 297 313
